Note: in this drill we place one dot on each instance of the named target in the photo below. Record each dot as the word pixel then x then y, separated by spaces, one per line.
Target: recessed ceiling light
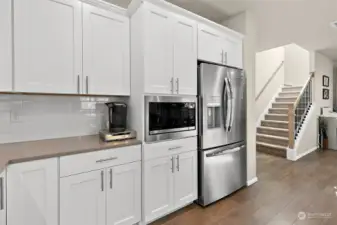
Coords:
pixel 334 24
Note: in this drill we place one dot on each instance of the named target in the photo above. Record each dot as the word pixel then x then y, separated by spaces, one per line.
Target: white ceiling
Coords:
pixel 279 22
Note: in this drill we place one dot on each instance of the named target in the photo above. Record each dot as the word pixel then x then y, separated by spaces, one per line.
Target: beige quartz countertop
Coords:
pixel 35 150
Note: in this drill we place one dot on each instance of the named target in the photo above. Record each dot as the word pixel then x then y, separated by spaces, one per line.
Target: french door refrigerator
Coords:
pixel 221 131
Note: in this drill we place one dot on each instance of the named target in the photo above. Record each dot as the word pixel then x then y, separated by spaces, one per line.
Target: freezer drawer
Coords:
pixel 222 171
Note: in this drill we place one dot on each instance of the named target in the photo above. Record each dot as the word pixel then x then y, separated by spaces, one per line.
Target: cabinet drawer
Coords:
pixel 85 162
pixel 161 149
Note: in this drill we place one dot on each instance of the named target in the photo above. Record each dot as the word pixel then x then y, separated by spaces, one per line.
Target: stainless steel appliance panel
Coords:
pixel 222 106
pixel 222 171
pixel 174 131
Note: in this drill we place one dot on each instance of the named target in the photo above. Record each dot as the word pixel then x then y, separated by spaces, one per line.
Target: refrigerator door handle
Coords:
pixel 225 152
pixel 225 102
pixel 231 105
pixel 200 115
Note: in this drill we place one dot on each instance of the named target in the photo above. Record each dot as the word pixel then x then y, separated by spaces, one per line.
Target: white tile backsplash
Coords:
pixel 37 117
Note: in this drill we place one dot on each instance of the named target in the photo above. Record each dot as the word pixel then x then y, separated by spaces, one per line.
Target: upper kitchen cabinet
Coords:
pixel 185 55
pixel 47 49
pixel 220 47
pixel 106 51
pixel 209 44
pixel 157 46
pixel 5 45
pixel 164 51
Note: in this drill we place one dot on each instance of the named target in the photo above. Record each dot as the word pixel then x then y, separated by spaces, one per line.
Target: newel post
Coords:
pixel 291 125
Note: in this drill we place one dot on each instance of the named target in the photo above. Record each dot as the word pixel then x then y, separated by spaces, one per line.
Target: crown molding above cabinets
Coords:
pixel 107 6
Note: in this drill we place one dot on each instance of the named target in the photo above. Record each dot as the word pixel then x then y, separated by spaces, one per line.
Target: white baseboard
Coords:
pixel 292 153
pixel 252 181
pixel 306 152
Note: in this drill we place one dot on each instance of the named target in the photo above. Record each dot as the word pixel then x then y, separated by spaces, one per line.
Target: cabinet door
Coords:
pixel 3 195
pixel 185 179
pixel 158 187
pixel 185 55
pixel 5 45
pixel 232 48
pixel 32 193
pixel 124 194
pixel 47 37
pixel 106 52
pixel 82 199
pixel 209 45
pixel 158 51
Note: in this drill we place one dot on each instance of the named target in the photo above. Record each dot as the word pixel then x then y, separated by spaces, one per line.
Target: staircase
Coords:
pixel 273 134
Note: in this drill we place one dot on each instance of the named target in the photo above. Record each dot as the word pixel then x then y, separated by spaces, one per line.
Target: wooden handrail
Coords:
pixel 291 114
pixel 269 80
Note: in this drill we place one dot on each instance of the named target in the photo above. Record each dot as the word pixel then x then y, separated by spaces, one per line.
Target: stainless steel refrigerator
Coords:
pixel 221 131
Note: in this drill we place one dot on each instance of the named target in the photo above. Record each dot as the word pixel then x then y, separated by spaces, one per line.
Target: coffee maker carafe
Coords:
pixel 117 116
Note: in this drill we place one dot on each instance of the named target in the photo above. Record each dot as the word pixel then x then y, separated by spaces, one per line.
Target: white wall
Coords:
pixel 245 23
pixel 267 64
pixel 30 117
pixel 297 65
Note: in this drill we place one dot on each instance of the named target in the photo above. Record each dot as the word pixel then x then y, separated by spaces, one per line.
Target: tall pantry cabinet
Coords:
pixel 165 48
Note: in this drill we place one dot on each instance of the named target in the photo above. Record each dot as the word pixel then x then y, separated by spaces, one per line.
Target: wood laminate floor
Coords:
pixel 284 189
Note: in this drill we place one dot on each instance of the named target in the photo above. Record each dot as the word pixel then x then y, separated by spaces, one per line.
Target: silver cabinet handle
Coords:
pixel 106 160
pixel 177 83
pixel 172 85
pixel 110 178
pixel 78 84
pixel 102 180
pixel 226 58
pixel 174 148
pixel 221 56
pixel 178 163
pixel 172 165
pixel 1 193
pixel 87 83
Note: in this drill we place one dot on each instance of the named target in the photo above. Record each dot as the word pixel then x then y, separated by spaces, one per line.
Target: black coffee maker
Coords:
pixel 117 116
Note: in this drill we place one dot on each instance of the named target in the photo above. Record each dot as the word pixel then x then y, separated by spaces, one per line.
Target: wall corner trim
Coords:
pixel 252 181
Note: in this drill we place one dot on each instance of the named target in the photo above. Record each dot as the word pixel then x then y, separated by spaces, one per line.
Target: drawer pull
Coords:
pixel 174 148
pixel 106 160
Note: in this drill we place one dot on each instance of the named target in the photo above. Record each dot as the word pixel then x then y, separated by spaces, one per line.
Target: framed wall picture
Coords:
pixel 326 81
pixel 326 93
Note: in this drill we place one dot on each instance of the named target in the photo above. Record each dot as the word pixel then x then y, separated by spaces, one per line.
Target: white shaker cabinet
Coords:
pixel 5 45
pixel 184 55
pixel 185 179
pixel 3 195
pixel 232 48
pixel 157 47
pixel 158 187
pixel 124 194
pixel 48 44
pixel 82 199
pixel 32 193
pixel 209 45
pixel 106 52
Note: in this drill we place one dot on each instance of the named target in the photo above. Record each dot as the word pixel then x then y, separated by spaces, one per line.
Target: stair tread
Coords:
pixel 276 121
pixel 272 146
pixel 292 87
pixel 273 136
pixel 273 128
pixel 279 103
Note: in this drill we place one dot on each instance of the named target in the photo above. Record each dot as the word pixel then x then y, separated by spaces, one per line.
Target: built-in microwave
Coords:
pixel 170 117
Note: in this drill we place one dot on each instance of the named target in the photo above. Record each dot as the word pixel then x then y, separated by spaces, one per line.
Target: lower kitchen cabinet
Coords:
pixel 32 193
pixel 158 191
pixel 3 197
pixel 82 199
pixel 124 194
pixel 185 179
pixel 169 184
pixel 109 196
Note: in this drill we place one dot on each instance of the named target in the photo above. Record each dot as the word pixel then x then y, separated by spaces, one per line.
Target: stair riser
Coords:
pixel 272 132
pixel 285 99
pixel 277 118
pixel 274 125
pixel 288 95
pixel 273 141
pixel 280 106
pixel 271 151
pixel 278 111
pixel 285 89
